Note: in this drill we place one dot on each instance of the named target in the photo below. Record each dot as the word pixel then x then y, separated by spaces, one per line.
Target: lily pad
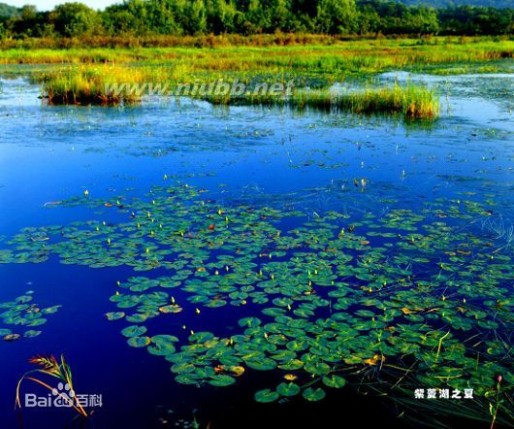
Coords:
pixel 133 331
pixel 163 345
pixel 11 337
pixel 288 389
pixel 222 380
pixel 117 315
pixel 334 381
pixel 31 333
pixel 139 342
pixel 313 395
pixel 266 396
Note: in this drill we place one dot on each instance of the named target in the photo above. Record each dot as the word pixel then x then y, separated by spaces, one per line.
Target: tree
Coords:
pixel 281 17
pixel 25 22
pixel 160 17
pixel 75 19
pixel 428 21
pixel 304 14
pixel 130 17
pixel 197 14
pixel 369 20
pixel 28 22
pixel 178 17
pixel 7 12
pixel 336 16
pixel 221 16
pixel 257 17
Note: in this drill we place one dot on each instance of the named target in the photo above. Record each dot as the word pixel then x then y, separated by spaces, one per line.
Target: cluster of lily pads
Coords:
pixel 408 297
pixel 23 312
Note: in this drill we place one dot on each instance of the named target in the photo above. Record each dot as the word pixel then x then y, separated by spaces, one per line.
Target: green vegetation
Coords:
pixel 22 312
pixel 314 55
pixel 246 17
pixel 108 76
pixel 449 3
pixel 88 86
pixel 168 42
pixel 413 102
pixel 7 11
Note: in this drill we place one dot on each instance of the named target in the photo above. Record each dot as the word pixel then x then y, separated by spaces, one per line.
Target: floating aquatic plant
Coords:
pixel 23 312
pixel 407 297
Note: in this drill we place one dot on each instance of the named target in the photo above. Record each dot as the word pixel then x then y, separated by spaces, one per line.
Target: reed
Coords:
pixel 411 101
pixel 414 102
pixel 90 85
pixel 316 57
pixel 86 86
pixel 81 76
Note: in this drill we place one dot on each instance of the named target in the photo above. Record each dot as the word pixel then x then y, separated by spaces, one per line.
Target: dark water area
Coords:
pixel 307 161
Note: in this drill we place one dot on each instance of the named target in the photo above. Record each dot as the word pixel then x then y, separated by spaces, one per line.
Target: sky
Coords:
pixel 49 4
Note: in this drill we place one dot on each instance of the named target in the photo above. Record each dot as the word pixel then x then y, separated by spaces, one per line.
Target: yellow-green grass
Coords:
pixel 88 86
pixel 339 58
pixel 118 84
pixel 79 75
pixel 411 101
pixel 207 41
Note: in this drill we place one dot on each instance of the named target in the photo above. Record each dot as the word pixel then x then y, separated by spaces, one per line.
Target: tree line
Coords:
pixel 247 17
pixel 446 3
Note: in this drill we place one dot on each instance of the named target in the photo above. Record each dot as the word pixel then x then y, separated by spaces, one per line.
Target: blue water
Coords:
pixel 307 160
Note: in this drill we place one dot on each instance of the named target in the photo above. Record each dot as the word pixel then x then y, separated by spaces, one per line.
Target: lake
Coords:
pixel 190 220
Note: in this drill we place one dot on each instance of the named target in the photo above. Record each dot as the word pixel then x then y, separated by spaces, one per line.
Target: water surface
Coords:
pixel 261 157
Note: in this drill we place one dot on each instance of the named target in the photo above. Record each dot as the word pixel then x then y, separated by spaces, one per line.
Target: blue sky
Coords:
pixel 49 4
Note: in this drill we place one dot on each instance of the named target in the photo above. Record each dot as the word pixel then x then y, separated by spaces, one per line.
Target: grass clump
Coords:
pixel 411 101
pixel 89 86
pixel 111 85
pixel 414 102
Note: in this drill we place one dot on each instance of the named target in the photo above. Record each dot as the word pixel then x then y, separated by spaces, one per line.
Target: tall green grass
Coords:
pixel 327 60
pixel 78 75
pixel 411 101
pixel 87 86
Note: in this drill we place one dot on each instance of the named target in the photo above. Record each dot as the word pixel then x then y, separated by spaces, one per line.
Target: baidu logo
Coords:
pixel 62 396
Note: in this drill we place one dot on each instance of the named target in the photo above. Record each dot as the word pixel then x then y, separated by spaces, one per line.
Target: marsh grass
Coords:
pixel 87 86
pixel 334 60
pixel 411 101
pixel 414 102
pixel 79 76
